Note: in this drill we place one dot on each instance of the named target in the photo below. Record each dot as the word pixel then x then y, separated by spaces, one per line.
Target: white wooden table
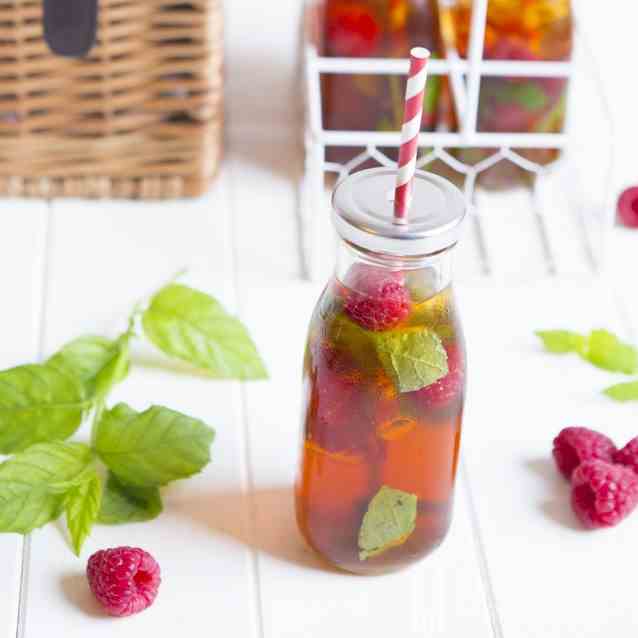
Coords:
pixel 515 564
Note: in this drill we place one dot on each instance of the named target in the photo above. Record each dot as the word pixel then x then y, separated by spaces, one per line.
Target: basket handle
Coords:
pixel 70 26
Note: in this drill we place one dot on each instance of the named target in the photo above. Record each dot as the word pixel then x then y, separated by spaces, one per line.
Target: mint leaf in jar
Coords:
pixel 154 447
pixel 124 503
pixel 389 521
pixel 192 326
pixel 38 403
pixel 623 391
pixel 605 350
pixel 82 506
pixel 413 357
pixel 562 341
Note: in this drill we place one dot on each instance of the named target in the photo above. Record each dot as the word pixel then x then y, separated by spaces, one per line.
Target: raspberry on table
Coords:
pixel 603 494
pixel 377 299
pixel 125 580
pixel 628 207
pixel 628 455
pixel 574 445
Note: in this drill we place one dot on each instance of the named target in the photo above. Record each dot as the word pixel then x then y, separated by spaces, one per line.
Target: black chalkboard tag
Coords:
pixel 70 26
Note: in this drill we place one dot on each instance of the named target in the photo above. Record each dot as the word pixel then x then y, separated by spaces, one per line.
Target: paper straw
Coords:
pixel 412 116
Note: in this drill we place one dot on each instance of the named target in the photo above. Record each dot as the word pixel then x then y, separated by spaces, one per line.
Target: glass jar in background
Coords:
pixel 523 30
pixel 374 28
pixel 384 380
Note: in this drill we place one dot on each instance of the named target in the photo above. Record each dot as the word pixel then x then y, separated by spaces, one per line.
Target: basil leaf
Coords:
pixel 129 504
pixel 154 447
pixel 562 341
pixel 38 403
pixel 623 391
pixel 605 350
pixel 99 363
pixel 82 506
pixel 413 357
pixel 34 484
pixel 389 521
pixel 192 326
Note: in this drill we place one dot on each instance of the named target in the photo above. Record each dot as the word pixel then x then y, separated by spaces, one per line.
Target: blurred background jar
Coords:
pixel 522 30
pixel 374 29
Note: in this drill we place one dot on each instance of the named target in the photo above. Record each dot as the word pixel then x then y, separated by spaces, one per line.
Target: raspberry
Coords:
pixel 351 30
pixel 628 207
pixel 574 445
pixel 628 455
pixel 125 580
pixel 378 299
pixel 603 494
pixel 440 394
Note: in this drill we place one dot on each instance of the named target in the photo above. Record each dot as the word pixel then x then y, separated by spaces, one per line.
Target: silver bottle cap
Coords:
pixel 363 205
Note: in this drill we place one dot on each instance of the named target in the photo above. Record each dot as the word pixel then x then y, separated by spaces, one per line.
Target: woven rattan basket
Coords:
pixel 140 117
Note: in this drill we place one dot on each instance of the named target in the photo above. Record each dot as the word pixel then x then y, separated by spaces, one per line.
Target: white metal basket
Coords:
pixel 577 185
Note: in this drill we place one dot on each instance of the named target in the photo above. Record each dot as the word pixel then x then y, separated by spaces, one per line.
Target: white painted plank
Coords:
pixel 105 257
pixel 550 577
pixel 22 255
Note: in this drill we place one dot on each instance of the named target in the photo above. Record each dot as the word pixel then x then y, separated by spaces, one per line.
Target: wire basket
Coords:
pixel 140 117
pixel 577 185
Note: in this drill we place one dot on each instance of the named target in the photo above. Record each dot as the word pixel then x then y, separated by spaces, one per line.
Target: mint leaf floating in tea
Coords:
pixel 414 358
pixel 605 350
pixel 37 404
pixel 34 484
pixel 97 362
pixel 562 341
pixel 154 447
pixel 193 326
pixel 82 506
pixel 389 521
pixel 124 503
pixel 623 391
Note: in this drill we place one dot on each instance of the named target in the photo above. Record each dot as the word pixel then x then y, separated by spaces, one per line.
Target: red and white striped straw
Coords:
pixel 412 116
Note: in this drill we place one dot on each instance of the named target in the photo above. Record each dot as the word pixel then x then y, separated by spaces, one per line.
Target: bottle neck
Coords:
pixel 435 271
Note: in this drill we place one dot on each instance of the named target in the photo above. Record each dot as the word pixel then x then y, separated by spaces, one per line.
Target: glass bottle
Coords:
pixel 521 30
pixel 384 380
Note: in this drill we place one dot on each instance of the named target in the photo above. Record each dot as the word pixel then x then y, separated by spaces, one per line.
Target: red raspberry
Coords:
pixel 351 30
pixel 378 299
pixel 628 455
pixel 628 207
pixel 603 494
pixel 574 445
pixel 440 394
pixel 125 580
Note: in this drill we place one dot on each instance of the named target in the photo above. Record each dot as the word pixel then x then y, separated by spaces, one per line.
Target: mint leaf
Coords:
pixel 528 95
pixel 389 521
pixel 129 504
pixel 82 506
pixel 154 447
pixel 38 403
pixel 606 351
pixel 623 391
pixel 34 484
pixel 413 357
pixel 192 326
pixel 99 363
pixel 562 341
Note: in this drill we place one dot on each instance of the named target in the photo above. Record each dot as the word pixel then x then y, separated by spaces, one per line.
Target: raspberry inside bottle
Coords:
pixel 384 380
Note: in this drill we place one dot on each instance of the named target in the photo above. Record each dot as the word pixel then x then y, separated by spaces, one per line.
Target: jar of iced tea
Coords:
pixel 384 380
pixel 520 30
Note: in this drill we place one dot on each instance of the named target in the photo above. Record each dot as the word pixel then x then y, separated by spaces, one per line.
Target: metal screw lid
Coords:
pixel 364 213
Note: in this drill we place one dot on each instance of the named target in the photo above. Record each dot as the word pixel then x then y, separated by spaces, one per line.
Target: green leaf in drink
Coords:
pixel 38 403
pixel 192 326
pixel 623 391
pixel 413 357
pixel 389 521
pixel 562 341
pixel 123 503
pixel 82 506
pixel 154 447
pixel 34 484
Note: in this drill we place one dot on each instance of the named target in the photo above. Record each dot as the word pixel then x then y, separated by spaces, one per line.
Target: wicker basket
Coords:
pixel 141 117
